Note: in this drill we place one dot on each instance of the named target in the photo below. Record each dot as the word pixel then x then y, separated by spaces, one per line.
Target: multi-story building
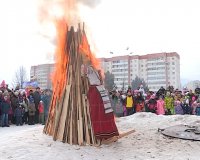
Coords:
pixel 159 69
pixel 42 74
pixel 193 85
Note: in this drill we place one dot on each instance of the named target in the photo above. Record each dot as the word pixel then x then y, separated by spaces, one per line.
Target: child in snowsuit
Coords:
pixel 160 107
pixel 129 101
pixel 169 104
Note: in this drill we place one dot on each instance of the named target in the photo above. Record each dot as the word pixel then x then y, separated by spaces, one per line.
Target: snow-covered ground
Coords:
pixel 29 143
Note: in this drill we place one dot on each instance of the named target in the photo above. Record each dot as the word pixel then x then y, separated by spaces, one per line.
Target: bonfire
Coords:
pixel 80 111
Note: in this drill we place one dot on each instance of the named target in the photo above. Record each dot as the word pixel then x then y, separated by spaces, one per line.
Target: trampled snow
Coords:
pixel 29 142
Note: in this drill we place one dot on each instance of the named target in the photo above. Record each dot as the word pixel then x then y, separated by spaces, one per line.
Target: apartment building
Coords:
pixel 158 69
pixel 193 85
pixel 42 74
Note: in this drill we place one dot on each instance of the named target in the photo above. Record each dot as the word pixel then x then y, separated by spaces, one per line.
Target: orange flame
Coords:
pixel 66 13
pixel 59 76
pixel 85 49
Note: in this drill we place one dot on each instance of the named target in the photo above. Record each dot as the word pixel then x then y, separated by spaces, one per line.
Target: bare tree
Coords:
pixel 20 77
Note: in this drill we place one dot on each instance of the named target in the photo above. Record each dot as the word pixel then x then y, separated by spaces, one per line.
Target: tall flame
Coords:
pixel 64 13
pixel 59 76
pixel 85 48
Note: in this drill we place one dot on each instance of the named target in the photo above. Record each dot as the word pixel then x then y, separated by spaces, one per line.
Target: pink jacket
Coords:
pixel 160 110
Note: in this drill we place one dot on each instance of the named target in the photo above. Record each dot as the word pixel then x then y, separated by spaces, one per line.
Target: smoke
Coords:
pixel 49 11
pixel 90 3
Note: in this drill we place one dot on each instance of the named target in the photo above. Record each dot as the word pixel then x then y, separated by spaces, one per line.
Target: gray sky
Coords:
pixel 145 26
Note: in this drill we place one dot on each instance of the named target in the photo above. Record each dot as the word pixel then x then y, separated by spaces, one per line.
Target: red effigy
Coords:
pixel 103 124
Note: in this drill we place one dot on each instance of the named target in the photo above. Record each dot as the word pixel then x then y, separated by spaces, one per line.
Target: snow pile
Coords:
pixel 29 143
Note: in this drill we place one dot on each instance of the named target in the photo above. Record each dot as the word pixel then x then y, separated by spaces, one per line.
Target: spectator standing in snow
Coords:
pixel 37 98
pixel 25 106
pixel 5 107
pixel 18 115
pixel 46 100
pixel 31 110
pixel 41 112
pixel 160 106
pixel 129 101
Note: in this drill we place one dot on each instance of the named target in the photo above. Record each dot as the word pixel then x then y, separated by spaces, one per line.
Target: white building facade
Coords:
pixel 159 69
pixel 193 85
pixel 42 74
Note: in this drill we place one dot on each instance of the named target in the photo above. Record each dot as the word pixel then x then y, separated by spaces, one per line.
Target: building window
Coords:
pixel 173 63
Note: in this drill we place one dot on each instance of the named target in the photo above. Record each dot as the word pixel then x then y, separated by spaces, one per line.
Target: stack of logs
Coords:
pixel 69 115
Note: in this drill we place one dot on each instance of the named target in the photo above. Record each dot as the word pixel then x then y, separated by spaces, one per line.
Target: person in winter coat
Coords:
pixel 169 104
pixel 14 103
pixel 46 100
pixel 41 112
pixel 197 110
pixel 5 107
pixel 129 101
pixel 18 115
pixel 160 106
pixel 31 110
pixel 178 107
pixel 194 106
pixel 25 106
pixel 37 99
pixel 139 101
pixel 152 104
pixel 147 98
pixel 187 109
pixel 117 104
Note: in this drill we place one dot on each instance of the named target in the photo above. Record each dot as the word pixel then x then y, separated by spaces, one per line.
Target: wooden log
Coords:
pixel 79 97
pixel 71 125
pixel 63 115
pixel 115 138
pixel 87 135
pixel 58 115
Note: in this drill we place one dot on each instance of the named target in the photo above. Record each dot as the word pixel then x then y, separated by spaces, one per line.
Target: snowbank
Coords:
pixel 29 143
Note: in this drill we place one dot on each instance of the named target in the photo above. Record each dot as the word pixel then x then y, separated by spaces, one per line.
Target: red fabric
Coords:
pixel 103 124
pixel 139 107
pixel 41 108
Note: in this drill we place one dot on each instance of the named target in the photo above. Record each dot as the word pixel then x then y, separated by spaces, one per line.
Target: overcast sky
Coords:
pixel 145 26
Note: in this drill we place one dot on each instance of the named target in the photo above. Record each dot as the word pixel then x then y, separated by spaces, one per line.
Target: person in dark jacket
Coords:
pixel 31 110
pixel 25 107
pixel 14 103
pixel 46 101
pixel 37 99
pixel 18 115
pixel 5 107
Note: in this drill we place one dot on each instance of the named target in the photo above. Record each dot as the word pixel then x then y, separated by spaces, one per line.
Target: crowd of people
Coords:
pixel 162 102
pixel 20 107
